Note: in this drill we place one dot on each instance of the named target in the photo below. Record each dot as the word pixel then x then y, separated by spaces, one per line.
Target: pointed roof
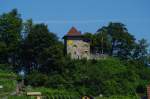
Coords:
pixel 73 32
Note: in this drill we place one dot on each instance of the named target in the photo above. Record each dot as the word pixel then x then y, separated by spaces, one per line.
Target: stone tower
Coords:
pixel 76 45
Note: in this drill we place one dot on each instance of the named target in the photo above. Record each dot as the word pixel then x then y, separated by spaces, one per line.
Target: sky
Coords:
pixel 85 15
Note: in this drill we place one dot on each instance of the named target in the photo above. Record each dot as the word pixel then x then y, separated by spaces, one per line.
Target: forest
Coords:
pixel 33 48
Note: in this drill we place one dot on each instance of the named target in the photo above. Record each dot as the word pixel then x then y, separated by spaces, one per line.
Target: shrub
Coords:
pixel 36 79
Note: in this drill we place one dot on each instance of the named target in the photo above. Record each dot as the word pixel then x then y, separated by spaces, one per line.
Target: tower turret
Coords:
pixel 76 45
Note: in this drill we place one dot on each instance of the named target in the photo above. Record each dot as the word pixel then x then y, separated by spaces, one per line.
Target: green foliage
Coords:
pixel 41 48
pixel 20 97
pixel 7 80
pixel 140 52
pixel 103 40
pixel 37 79
pixel 3 52
pixel 51 59
pixel 118 97
pixel 115 40
pixel 10 35
pixel 6 67
pixel 48 91
pixel 93 77
pixel 40 54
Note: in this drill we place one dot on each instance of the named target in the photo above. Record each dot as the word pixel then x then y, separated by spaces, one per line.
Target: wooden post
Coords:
pixel 148 92
pixel 38 97
pixel 17 89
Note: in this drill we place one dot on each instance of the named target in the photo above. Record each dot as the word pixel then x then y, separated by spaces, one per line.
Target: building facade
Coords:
pixel 76 45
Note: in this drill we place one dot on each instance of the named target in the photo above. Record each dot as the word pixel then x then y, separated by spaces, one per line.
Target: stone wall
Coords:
pixel 78 49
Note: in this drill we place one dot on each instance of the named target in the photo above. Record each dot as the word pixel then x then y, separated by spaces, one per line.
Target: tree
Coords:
pixel 27 26
pixel 91 38
pixel 10 34
pixel 115 40
pixel 37 79
pixel 141 50
pixel 3 52
pixel 51 59
pixel 122 41
pixel 103 40
pixel 39 47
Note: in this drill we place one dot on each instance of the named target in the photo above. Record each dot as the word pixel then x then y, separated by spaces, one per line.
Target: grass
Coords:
pixel 7 75
pixel 49 93
pixel 21 97
pixel 66 97
pixel 7 80
pixel 118 97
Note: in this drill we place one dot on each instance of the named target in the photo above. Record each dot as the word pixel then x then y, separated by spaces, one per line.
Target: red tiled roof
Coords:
pixel 73 32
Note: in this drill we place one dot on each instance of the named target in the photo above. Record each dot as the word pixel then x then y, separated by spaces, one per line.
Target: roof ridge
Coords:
pixel 73 32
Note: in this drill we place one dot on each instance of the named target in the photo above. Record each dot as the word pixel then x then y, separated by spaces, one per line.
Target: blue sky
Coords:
pixel 85 15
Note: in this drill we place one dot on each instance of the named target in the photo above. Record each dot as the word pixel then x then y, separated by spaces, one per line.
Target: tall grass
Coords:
pixel 8 81
pixel 118 97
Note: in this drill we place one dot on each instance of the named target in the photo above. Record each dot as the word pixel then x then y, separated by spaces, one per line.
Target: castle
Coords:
pixel 76 45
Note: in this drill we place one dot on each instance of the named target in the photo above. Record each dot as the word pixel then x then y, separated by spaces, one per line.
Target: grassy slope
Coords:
pixel 118 97
pixel 7 80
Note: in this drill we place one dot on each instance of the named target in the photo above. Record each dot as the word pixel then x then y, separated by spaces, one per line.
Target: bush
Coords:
pixel 55 81
pixel 6 67
pixel 109 77
pixel 36 79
